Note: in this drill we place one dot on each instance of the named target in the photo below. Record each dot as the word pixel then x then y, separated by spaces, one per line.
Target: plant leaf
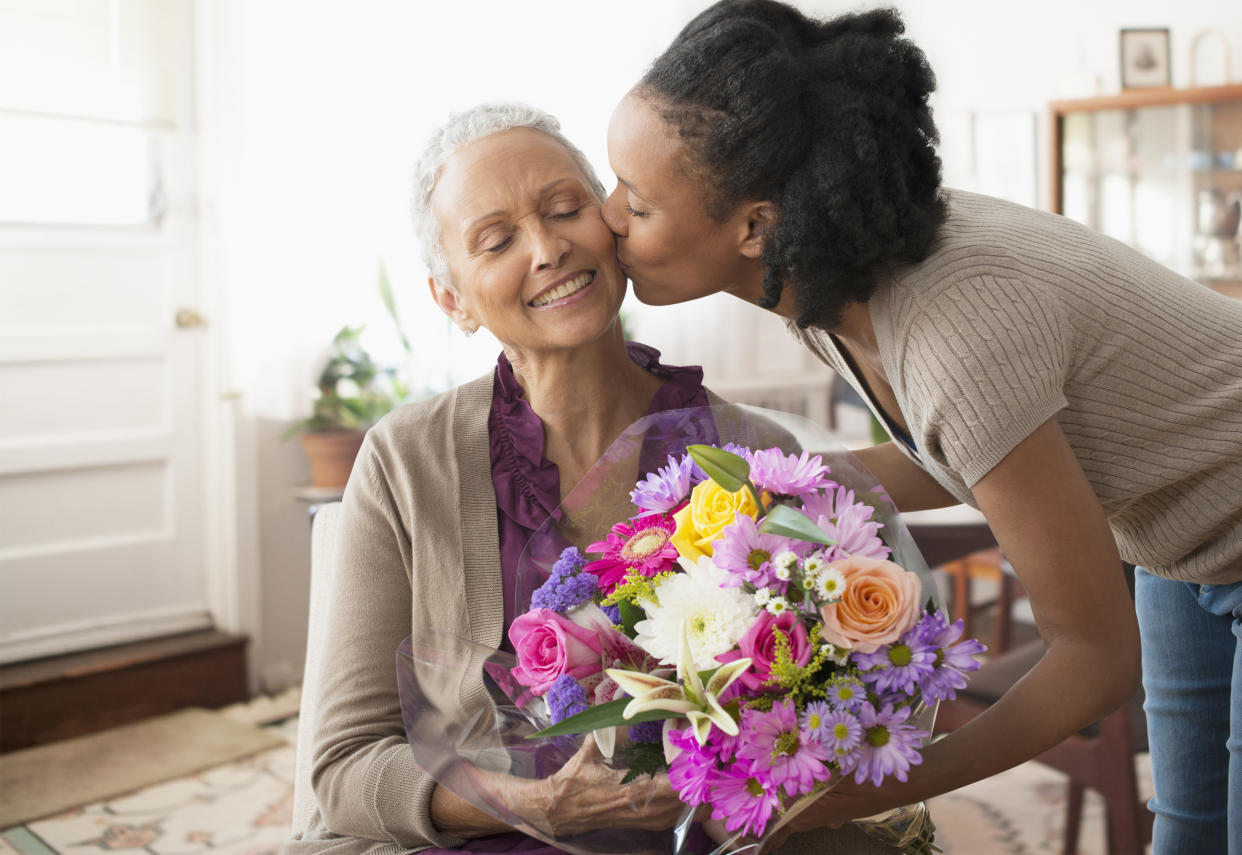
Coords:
pixel 603 715
pixel 784 521
pixel 724 467
pixel 631 614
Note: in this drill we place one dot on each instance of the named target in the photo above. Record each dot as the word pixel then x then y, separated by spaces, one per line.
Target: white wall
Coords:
pixel 313 112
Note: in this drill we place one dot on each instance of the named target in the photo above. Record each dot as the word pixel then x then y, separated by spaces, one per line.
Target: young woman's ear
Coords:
pixel 757 220
pixel 451 304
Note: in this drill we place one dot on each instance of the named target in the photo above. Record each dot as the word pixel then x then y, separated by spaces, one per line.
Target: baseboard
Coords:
pixel 64 696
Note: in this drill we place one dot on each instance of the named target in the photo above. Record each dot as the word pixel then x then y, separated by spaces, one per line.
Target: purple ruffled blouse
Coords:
pixel 528 491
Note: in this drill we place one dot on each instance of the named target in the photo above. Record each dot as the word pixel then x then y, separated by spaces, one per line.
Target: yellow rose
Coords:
pixel 711 508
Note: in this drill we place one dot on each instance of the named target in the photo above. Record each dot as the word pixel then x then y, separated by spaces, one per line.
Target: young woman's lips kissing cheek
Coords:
pixel 571 289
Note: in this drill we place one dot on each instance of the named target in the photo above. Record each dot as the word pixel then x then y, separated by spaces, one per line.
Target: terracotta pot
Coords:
pixel 331 455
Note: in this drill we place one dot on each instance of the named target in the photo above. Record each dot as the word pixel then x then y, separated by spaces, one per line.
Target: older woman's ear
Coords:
pixel 451 303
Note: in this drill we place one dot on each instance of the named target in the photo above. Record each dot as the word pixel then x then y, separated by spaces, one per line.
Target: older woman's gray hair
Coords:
pixel 460 130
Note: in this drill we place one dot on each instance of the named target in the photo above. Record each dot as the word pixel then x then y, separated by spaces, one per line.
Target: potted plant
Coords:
pixel 354 393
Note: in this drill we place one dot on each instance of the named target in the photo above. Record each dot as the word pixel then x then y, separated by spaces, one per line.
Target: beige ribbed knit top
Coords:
pixel 1020 315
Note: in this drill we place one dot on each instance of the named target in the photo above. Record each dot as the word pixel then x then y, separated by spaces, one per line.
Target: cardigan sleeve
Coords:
pixel 983 362
pixel 364 776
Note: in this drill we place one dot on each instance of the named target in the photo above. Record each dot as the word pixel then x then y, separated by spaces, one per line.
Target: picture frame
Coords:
pixel 1145 58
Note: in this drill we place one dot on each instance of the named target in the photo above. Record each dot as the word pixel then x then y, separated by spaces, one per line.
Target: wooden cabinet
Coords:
pixel 1160 170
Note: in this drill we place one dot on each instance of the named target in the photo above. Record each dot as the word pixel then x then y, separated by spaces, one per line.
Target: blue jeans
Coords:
pixel 1192 674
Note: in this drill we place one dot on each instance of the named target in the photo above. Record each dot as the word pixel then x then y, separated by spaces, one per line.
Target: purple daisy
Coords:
pixel 747 554
pixel 643 546
pixel 846 692
pixel 743 797
pixel 665 489
pixel 841 733
pixel 788 475
pixel 773 742
pixel 900 666
pixel 690 772
pixel 953 658
pixel 848 522
pixel 889 745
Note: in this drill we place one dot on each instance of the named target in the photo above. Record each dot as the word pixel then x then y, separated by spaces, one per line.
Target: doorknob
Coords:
pixel 189 319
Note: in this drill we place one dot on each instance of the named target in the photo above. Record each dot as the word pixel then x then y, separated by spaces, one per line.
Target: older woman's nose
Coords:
pixel 548 249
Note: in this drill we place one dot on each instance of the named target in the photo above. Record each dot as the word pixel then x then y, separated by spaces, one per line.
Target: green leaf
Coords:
pixel 390 303
pixel 630 615
pixel 724 467
pixel 641 758
pixel 603 715
pixel 784 521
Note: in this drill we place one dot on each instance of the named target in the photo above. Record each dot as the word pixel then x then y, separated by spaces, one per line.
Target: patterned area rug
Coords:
pixel 245 807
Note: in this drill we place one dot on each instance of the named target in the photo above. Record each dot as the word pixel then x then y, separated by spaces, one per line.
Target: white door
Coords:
pixel 101 481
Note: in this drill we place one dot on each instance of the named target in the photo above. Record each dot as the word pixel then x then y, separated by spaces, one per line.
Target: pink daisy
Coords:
pixel 642 545
pixel 747 554
pixel 690 771
pixel 789 475
pixel 848 522
pixel 744 798
pixel 774 742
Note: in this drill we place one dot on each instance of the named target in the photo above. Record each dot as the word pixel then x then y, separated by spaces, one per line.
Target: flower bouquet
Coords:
pixel 742 626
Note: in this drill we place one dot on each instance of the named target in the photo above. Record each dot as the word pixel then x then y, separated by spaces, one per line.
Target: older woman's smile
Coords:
pixel 560 293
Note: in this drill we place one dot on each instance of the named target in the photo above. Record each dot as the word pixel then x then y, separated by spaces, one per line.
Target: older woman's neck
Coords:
pixel 585 398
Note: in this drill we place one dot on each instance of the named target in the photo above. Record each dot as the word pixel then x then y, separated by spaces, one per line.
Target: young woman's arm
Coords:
pixel 908 485
pixel 1052 529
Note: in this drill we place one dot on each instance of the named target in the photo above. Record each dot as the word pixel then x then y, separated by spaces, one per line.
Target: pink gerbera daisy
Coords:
pixel 642 545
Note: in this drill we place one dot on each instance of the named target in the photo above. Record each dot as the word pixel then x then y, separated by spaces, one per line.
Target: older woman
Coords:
pixel 446 492
pixel 1084 398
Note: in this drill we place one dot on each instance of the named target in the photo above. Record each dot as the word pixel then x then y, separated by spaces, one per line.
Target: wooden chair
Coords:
pixel 1100 757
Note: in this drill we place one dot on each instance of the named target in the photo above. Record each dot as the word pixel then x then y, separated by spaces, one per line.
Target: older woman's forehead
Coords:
pixel 518 160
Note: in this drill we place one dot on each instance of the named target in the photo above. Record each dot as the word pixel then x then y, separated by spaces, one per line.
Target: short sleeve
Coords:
pixel 982 363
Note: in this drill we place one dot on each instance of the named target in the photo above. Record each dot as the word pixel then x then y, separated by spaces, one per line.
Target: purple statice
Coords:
pixel 743 797
pixel 690 772
pixel 565 698
pixel 848 522
pixel 567 587
pixel 953 658
pixel 747 554
pixel 774 742
pixel 898 667
pixel 889 745
pixel 788 475
pixel 846 692
pixel 665 489
pixel 613 612
pixel 647 731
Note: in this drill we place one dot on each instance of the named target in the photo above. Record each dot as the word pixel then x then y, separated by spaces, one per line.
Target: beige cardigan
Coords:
pixel 419 549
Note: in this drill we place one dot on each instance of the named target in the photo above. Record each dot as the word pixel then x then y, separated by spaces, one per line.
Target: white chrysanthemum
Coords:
pixel 782 573
pixel 836 655
pixel 716 617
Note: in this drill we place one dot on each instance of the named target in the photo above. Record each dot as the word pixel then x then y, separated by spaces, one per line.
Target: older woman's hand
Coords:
pixel 585 794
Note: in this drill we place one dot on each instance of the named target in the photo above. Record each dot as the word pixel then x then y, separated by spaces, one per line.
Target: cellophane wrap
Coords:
pixel 469 721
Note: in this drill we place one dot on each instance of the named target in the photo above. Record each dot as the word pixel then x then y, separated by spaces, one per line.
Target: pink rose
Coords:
pixel 881 601
pixel 759 644
pixel 549 645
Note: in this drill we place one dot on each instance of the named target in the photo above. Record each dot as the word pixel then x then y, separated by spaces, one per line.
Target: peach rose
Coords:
pixel 881 601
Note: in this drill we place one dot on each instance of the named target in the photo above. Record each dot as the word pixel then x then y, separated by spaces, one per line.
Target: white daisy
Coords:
pixel 777 606
pixel 830 584
pixel 787 559
pixel 715 617
pixel 781 573
pixel 762 595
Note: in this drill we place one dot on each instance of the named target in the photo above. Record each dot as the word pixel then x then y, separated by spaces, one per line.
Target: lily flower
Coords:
pixel 699 702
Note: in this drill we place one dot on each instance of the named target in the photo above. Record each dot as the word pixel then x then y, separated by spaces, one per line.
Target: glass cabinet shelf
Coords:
pixel 1160 170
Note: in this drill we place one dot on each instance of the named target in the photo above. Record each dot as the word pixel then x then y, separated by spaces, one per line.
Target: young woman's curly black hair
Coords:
pixel 829 120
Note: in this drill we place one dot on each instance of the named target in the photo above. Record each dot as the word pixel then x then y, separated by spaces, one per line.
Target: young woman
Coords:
pixel 1087 400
